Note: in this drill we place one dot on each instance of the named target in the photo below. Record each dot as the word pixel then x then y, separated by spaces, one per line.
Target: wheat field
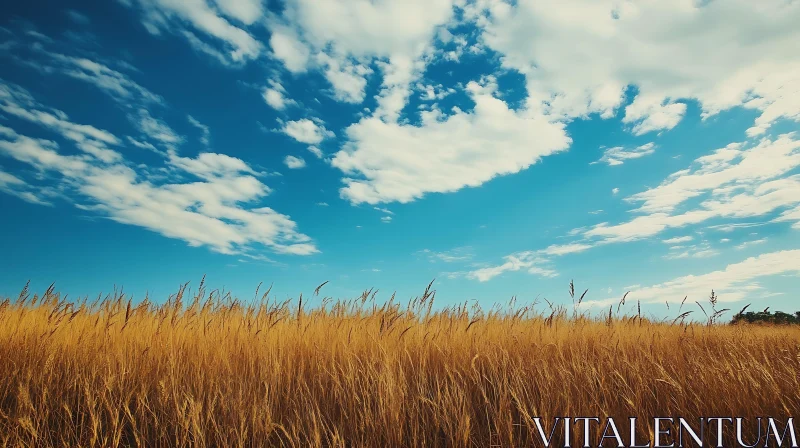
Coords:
pixel 205 369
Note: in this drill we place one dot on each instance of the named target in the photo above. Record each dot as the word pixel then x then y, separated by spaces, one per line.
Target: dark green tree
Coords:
pixel 767 317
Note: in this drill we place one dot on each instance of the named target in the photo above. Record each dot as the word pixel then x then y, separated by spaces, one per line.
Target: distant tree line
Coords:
pixel 767 317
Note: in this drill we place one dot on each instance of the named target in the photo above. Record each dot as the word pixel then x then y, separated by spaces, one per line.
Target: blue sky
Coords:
pixel 502 148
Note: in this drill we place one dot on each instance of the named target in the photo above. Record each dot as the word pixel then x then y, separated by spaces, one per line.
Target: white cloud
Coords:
pixel 736 181
pixel 575 63
pixel 747 244
pixel 286 47
pixel 453 275
pixel 205 133
pixel 210 165
pixel 348 79
pixel 614 190
pixel 388 161
pixel 399 73
pixel 316 151
pixel 245 11
pixel 155 128
pixel 378 28
pixel 579 56
pixel 790 215
pixel 142 145
pixel 702 250
pixel 530 261
pixel 39 153
pixel 294 163
pixel 459 254
pixel 431 92
pixel 678 240
pixel 386 219
pixel 735 283
pixel 181 17
pixel 618 154
pixel 564 249
pixel 347 35
pixel 275 96
pixel 535 262
pixel 203 47
pixel 312 132
pixel 15 186
pixel 7 180
pixel 730 227
pixel 18 102
pixel 115 83
pixel 223 211
pixel 653 114
pixel 460 46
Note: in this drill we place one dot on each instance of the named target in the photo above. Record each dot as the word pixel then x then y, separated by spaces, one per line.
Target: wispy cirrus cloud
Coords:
pixel 737 182
pixel 750 243
pixel 738 281
pixel 701 250
pixel 538 262
pixel 205 132
pixel 19 103
pixel 222 211
pixel 155 128
pixel 223 25
pixel 116 82
pixel 619 154
pixel 13 185
pixel 529 261
pixel 678 239
pixel 455 255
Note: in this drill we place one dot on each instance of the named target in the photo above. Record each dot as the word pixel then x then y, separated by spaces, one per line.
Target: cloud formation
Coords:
pixel 641 60
pixel 736 182
pixel 217 22
pixel 618 154
pixel 340 37
pixel 580 57
pixel 218 205
pixel 275 95
pixel 308 131
pixel 738 281
pixel 388 162
pixel 294 163
pixel 530 261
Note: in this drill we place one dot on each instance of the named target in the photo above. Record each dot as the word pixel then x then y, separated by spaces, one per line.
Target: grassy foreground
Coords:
pixel 207 370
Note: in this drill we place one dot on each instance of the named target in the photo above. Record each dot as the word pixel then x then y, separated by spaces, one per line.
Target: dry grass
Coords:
pixel 212 371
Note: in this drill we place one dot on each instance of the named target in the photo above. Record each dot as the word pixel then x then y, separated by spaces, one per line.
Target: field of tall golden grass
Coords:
pixel 208 370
